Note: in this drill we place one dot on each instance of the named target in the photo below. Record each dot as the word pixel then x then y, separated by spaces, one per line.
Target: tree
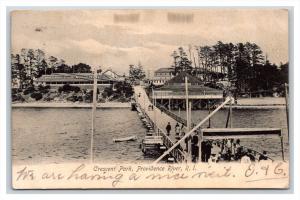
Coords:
pixel 284 73
pixel 40 64
pixel 184 63
pixel 63 68
pixel 181 61
pixel 18 72
pixel 229 63
pixel 81 68
pixel 136 73
pixel 175 57
pixel 206 58
pixel 28 59
pixel 241 68
pixel 124 88
pixel 53 63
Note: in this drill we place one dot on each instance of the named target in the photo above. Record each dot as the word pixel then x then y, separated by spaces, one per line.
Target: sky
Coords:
pixel 116 38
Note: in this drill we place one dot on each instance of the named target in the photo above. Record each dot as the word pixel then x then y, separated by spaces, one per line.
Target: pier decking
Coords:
pixel 161 120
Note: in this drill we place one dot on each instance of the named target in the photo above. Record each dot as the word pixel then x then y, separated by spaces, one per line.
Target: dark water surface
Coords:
pixel 63 135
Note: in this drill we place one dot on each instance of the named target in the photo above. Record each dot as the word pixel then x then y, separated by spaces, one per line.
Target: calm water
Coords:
pixel 63 135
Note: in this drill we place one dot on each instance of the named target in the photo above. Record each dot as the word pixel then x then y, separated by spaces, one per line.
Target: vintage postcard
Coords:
pixel 154 98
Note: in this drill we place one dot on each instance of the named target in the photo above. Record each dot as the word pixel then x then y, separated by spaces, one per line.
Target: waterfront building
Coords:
pixel 82 80
pixel 172 93
pixel 114 75
pixel 162 75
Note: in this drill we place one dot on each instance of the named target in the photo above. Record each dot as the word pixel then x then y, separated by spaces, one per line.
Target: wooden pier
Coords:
pixel 159 121
pixel 159 118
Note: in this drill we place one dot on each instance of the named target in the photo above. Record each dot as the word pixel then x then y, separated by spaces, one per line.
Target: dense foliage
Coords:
pixel 136 73
pixel 243 65
pixel 33 63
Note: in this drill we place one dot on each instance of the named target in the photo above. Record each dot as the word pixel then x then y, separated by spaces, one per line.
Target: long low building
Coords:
pixel 82 80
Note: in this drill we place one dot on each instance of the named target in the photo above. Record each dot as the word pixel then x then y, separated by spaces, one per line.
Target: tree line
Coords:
pixel 30 64
pixel 243 65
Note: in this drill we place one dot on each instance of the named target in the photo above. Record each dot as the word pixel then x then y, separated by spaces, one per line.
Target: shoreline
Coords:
pixel 240 107
pixel 243 103
pixel 121 105
pixel 70 105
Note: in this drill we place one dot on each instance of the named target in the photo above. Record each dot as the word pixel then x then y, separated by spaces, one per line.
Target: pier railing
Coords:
pixel 173 115
pixel 178 154
pixel 175 146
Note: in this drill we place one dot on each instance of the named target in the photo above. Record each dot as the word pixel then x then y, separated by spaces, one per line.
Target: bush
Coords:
pixel 48 98
pixel 28 90
pixel 17 97
pixel 101 100
pixel 68 88
pixel 15 90
pixel 43 89
pixel 123 99
pixel 108 91
pixel 72 98
pixel 88 98
pixel 75 89
pixel 79 98
pixel 64 88
pixel 36 95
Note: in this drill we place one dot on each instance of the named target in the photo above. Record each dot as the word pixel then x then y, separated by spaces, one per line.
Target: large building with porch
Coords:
pixel 173 93
pixel 162 75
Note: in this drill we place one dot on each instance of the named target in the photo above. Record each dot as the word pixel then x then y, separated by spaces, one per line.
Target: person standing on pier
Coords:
pixel 168 128
pixel 177 131
pixel 195 147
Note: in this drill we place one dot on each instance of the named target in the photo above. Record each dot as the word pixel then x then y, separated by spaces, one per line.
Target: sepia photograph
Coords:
pixel 150 98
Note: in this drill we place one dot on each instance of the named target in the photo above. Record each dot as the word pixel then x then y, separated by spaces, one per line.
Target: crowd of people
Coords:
pixel 215 150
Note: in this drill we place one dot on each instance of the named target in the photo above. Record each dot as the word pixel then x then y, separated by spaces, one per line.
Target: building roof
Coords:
pixel 195 85
pixel 165 70
pixel 72 77
pixel 112 72
pixel 180 79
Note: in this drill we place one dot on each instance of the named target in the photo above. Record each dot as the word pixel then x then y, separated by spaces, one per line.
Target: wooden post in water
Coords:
pixel 287 108
pixel 282 150
pixel 94 114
